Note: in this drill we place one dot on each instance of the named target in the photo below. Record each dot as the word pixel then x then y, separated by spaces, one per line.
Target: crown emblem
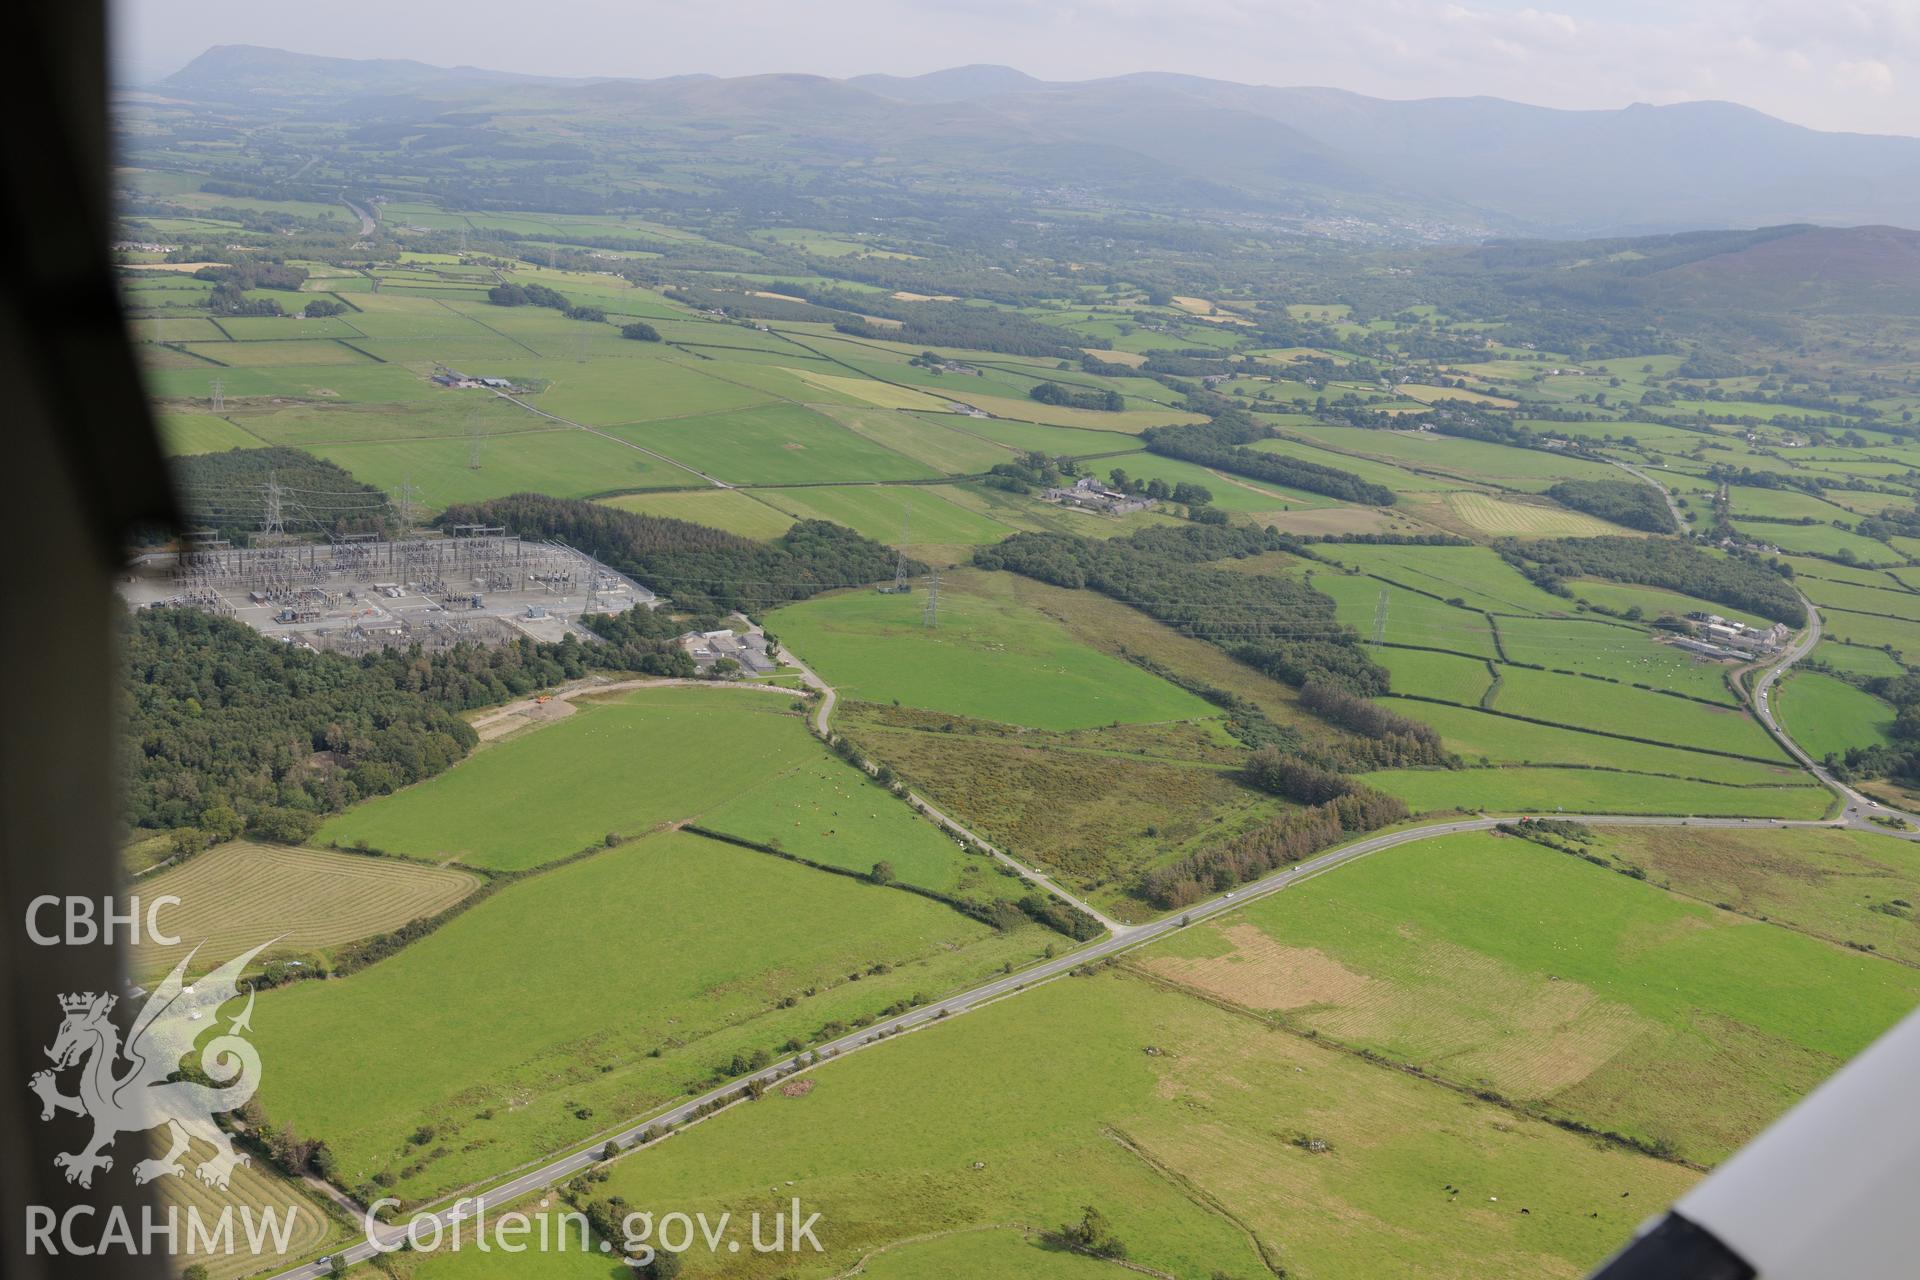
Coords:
pixel 81 1001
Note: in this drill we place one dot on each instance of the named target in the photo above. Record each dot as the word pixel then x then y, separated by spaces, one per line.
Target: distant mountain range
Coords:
pixel 1459 166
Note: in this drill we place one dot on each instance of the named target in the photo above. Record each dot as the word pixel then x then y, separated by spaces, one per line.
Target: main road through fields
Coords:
pixel 1855 814
pixel 499 1197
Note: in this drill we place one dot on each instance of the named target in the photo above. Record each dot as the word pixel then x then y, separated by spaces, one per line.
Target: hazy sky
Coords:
pixel 1833 64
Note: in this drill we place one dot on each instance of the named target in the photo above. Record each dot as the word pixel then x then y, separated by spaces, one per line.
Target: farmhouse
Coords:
pixel 1089 494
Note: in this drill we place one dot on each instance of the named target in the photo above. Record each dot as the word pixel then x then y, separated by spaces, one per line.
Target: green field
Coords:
pixel 1399 616
pixel 823 811
pixel 1474 461
pixel 774 444
pixel 562 462
pixel 1845 886
pixel 1436 675
pixel 1571 1003
pixel 883 512
pixel 190 433
pixel 1474 575
pixel 531 1021
pixel 1820 539
pixel 1480 735
pixel 988 658
pixel 1826 716
pixel 1551 790
pixel 1853 658
pixel 1636 713
pixel 729 509
pixel 624 765
pixel 1617 652
pixel 1185 1124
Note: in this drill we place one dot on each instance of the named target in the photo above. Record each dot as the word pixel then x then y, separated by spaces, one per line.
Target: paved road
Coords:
pixel 1860 810
pixel 368 223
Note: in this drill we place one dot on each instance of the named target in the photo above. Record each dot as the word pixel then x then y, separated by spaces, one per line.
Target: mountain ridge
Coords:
pixel 1475 164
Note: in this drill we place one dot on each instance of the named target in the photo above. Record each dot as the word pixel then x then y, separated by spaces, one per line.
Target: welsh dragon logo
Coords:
pixel 132 1088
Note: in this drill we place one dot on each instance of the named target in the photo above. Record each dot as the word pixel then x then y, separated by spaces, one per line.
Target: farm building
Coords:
pixel 1089 494
pixel 708 647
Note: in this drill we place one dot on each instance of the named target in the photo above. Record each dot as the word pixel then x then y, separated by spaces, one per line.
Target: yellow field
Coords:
pixel 254 1186
pixel 240 895
pixel 1054 415
pixel 1497 515
pixel 1131 359
pixel 883 394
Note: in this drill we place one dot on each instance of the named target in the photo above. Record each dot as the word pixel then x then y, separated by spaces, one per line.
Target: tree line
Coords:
pixel 1739 582
pixel 1290 837
pixel 1221 444
pixel 701 568
pixel 1276 624
pixel 1623 502
pixel 225 729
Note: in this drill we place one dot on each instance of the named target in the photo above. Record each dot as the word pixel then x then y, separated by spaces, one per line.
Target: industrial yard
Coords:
pixel 477 584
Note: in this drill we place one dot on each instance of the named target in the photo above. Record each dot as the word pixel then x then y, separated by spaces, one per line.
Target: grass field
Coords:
pixel 775 444
pixel 882 512
pixel 824 811
pixel 190 433
pixel 988 658
pixel 240 895
pixel 1826 716
pixel 1853 658
pixel 1871 631
pixel 532 1021
pixel 1638 713
pixel 1617 652
pixel 938 440
pixel 1474 575
pixel 623 765
pixel 563 463
pixel 1435 675
pixel 728 509
pixel 1022 1113
pixel 1480 735
pixel 1399 479
pixel 1885 598
pixel 1820 539
pixel 1551 790
pixel 1474 461
pixel 1396 615
pixel 1570 1002
pixel 1846 886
